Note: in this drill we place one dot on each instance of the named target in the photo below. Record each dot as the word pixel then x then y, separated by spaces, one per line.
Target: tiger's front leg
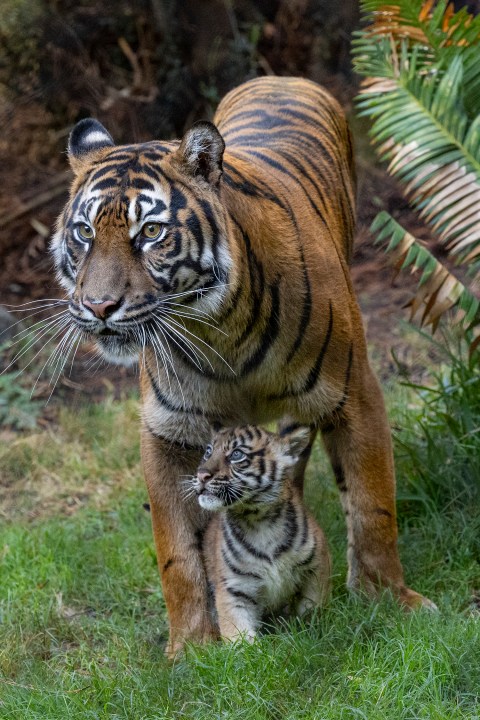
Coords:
pixel 178 527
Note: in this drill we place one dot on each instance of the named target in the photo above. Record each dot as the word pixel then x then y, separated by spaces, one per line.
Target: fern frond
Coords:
pixel 438 289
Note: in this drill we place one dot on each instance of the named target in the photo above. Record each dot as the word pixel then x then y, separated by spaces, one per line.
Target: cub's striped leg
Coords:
pixel 316 587
pixel 178 527
pixel 238 617
pixel 360 449
pixel 286 425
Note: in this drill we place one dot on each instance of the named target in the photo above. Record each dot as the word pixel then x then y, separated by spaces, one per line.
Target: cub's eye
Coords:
pixel 208 452
pixel 152 230
pixel 237 456
pixel 85 231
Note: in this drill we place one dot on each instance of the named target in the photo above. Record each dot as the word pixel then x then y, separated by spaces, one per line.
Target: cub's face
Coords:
pixel 143 237
pixel 246 466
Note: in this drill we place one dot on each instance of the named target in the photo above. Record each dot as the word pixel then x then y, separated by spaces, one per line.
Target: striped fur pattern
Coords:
pixel 263 550
pixel 221 261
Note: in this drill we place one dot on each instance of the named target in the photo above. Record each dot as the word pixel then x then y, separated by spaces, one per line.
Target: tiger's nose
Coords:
pixel 102 308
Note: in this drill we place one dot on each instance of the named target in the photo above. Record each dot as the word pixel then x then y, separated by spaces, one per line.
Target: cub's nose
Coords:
pixel 102 308
pixel 204 476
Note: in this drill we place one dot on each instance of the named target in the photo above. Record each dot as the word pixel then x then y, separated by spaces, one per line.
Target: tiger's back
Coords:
pixel 287 141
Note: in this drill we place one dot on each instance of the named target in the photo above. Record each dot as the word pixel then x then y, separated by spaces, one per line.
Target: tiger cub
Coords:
pixel 263 550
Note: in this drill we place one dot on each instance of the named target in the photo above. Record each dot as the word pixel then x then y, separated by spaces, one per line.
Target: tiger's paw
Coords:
pixel 412 600
pixel 176 644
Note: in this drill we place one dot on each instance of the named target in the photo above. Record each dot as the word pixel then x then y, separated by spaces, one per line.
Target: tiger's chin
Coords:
pixel 118 349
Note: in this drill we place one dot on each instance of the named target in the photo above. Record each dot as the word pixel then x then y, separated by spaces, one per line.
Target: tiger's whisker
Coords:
pixel 42 300
pixel 59 373
pixel 167 303
pixel 176 313
pixel 39 325
pixel 170 359
pixel 50 358
pixel 187 347
pixel 203 343
pixel 153 344
pixel 61 324
pixel 29 329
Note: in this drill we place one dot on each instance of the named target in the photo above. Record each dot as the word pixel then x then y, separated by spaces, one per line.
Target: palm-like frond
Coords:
pixel 433 29
pixel 438 289
pixel 422 90
pixel 422 129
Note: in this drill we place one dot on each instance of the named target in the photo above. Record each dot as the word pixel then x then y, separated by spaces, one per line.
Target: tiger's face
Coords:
pixel 143 237
pixel 246 467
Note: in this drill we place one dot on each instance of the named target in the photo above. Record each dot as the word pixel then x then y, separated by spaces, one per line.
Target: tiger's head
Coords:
pixel 247 466
pixel 143 235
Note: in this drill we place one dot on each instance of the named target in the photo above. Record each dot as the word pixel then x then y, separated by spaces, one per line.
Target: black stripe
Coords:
pixel 344 399
pixel 291 530
pixel 241 594
pixel 106 184
pixel 303 539
pixel 236 570
pixel 256 285
pixel 306 312
pixel 270 334
pixel 168 564
pixel 238 535
pixel 294 176
pixel 314 373
pixel 173 443
pixel 339 477
pixel 231 547
pixel 382 511
pixel 165 402
pixel 309 557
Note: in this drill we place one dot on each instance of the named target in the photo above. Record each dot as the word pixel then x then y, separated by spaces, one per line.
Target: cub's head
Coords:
pixel 246 466
pixel 143 235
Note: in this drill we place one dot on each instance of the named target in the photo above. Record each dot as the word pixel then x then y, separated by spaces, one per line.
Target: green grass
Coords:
pixel 82 619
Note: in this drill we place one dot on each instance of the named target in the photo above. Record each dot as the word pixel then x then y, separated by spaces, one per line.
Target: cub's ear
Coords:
pixel 87 143
pixel 297 441
pixel 201 151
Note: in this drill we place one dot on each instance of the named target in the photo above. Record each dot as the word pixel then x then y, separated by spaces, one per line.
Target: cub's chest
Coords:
pixel 280 581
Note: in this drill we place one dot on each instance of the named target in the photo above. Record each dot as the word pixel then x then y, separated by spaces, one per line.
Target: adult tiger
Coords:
pixel 229 270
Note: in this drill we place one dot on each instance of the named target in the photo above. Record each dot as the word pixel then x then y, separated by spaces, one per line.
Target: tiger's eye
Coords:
pixel 151 230
pixel 85 231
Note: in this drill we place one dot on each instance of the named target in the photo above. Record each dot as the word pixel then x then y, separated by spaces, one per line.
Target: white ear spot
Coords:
pixel 96 138
pixel 88 136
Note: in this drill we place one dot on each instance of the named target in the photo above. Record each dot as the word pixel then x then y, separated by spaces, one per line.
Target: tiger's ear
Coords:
pixel 201 151
pixel 297 441
pixel 87 143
